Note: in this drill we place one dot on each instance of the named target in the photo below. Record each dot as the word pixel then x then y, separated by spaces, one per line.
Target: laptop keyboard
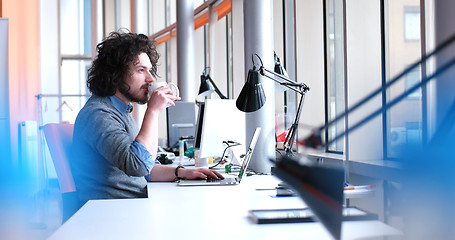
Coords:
pixel 213 180
pixel 226 180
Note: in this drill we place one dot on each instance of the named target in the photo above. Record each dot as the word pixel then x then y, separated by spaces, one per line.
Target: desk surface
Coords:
pixel 215 212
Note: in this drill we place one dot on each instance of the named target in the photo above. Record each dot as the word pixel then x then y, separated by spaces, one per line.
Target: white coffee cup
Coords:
pixel 172 86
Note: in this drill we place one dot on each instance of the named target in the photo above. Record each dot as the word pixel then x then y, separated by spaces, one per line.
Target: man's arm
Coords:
pixel 161 173
pixel 102 131
pixel 148 134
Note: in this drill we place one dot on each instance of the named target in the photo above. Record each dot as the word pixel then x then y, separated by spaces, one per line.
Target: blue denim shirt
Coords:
pixel 137 147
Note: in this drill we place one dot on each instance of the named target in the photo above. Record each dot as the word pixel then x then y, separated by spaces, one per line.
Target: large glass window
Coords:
pixel 76 56
pixel 218 55
pixel 353 71
pixel 363 77
pixel 309 63
pixel 212 44
pixel 404 122
pixel 335 69
pixel 380 42
pixel 367 43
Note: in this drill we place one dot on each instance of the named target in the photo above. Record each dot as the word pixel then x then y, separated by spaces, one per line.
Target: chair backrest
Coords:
pixel 59 137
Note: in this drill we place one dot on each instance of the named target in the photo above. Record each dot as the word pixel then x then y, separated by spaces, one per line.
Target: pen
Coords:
pixel 359 187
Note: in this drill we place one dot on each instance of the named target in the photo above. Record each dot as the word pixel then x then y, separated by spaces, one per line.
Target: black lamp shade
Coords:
pixel 252 96
pixel 278 68
pixel 205 88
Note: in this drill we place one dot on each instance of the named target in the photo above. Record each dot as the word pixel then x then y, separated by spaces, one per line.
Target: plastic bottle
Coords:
pixel 181 150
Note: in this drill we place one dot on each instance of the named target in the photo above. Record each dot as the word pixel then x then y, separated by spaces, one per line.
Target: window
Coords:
pixel 212 44
pixel 353 71
pixel 411 79
pixel 367 45
pixel 403 48
pixel 76 56
pixel 412 22
pixel 309 63
pixel 335 72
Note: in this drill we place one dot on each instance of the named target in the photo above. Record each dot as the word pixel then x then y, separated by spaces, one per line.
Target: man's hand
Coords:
pixel 199 173
pixel 161 97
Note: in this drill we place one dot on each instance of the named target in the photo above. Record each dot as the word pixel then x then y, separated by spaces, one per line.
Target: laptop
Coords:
pixel 227 180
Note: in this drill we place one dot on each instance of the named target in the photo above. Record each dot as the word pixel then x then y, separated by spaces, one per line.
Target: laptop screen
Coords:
pixel 249 152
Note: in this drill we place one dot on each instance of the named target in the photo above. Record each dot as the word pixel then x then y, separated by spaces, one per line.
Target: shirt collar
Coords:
pixel 120 105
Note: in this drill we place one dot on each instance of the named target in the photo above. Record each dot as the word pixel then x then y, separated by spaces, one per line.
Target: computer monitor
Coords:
pixel 199 123
pixel 221 121
pixel 180 122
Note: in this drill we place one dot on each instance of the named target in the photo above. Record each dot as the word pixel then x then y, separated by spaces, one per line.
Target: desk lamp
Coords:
pixel 320 187
pixel 252 96
pixel 208 86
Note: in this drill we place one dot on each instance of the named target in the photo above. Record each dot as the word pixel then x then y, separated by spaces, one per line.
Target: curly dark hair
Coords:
pixel 115 53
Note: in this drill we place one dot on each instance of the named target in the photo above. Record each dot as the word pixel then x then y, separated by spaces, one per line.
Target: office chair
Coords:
pixel 59 137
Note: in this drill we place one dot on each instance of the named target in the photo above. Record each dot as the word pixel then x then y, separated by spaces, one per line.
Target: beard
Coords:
pixel 140 96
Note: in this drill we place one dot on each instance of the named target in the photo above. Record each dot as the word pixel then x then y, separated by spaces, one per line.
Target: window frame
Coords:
pixel 384 70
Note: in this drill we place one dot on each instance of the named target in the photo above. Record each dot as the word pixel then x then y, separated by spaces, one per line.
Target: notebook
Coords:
pixel 227 180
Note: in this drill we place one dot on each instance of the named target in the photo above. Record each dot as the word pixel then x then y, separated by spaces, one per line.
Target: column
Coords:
pixel 258 33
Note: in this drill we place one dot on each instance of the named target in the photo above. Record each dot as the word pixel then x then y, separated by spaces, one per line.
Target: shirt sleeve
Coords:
pixel 110 135
pixel 144 155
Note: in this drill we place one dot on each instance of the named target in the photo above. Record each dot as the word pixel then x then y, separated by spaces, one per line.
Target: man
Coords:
pixel 113 158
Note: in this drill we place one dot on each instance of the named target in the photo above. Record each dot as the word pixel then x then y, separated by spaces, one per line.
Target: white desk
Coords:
pixel 204 212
